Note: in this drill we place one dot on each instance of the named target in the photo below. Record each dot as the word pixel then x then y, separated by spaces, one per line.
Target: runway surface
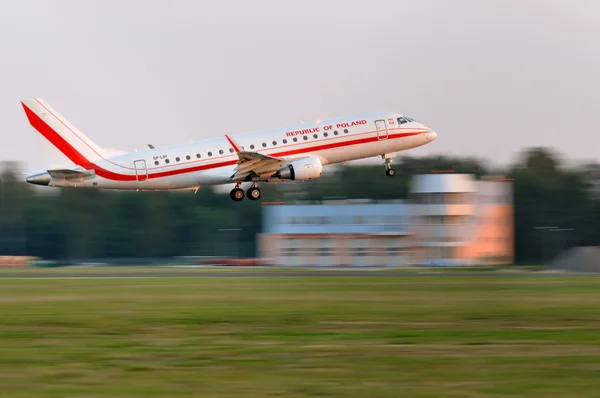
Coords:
pixel 272 274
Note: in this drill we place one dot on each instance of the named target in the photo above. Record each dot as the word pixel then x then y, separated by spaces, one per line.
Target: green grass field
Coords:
pixel 454 336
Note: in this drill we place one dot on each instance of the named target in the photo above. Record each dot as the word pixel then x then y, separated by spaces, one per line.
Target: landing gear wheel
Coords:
pixel 236 194
pixel 388 167
pixel 254 193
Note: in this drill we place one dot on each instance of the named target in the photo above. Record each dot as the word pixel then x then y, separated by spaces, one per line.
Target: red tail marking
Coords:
pixel 59 142
pixel 69 128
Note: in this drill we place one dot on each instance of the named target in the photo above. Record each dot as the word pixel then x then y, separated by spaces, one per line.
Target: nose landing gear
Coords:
pixel 389 171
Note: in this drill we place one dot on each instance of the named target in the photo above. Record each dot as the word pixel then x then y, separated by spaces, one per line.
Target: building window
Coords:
pixel 393 251
pixel 360 251
pixel 290 252
pixel 324 252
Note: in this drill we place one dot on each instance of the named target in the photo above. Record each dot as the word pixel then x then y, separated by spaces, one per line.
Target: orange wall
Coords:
pixel 495 222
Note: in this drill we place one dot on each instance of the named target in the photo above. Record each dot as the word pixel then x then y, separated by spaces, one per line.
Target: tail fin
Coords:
pixel 62 134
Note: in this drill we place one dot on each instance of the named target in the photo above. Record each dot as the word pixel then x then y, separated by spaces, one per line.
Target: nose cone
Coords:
pixel 432 135
pixel 39 179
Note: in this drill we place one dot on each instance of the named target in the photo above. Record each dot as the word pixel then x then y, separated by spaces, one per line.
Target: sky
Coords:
pixel 490 76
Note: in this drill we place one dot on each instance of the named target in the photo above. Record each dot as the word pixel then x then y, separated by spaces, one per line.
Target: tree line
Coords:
pixel 53 223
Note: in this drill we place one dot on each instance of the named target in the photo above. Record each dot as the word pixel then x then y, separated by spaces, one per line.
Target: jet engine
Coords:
pixel 301 169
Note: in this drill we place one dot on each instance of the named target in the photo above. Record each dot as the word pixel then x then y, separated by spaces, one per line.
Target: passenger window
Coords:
pixel 230 150
pixel 220 151
pixel 325 134
pixel 167 161
pixel 315 135
pixel 210 154
pixel 177 159
pixel 335 133
pixel 274 143
pixel 198 155
pixel 305 138
pixel 264 144
pixel 252 146
pixel 156 162
pixel 188 157
pixel 295 139
pixel 285 141
pixel 345 131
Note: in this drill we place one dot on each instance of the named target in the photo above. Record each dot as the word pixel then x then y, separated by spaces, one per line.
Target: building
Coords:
pixel 329 234
pixel 461 221
pixel 449 219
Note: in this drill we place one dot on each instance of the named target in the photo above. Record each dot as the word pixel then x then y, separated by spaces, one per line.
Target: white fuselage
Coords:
pixel 212 161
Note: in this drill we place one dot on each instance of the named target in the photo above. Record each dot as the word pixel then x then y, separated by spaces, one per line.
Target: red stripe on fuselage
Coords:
pixel 125 177
pixel 342 144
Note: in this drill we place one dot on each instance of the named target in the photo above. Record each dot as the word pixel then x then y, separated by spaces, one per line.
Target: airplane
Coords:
pixel 294 153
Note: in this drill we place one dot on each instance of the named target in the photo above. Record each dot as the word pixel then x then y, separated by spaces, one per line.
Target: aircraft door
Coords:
pixel 141 172
pixel 381 127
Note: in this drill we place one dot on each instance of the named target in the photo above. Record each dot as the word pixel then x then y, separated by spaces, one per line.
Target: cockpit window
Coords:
pixel 404 119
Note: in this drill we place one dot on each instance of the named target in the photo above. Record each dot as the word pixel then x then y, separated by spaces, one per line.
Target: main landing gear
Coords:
pixel 236 194
pixel 253 193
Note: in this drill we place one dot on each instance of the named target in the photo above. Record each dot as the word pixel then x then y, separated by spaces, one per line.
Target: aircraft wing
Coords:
pixel 246 156
pixel 252 166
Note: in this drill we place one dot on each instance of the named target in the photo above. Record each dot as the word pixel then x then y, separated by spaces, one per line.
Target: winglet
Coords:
pixel 235 146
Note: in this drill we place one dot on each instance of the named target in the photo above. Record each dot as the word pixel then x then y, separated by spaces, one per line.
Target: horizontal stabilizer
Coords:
pixel 68 174
pixel 46 177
